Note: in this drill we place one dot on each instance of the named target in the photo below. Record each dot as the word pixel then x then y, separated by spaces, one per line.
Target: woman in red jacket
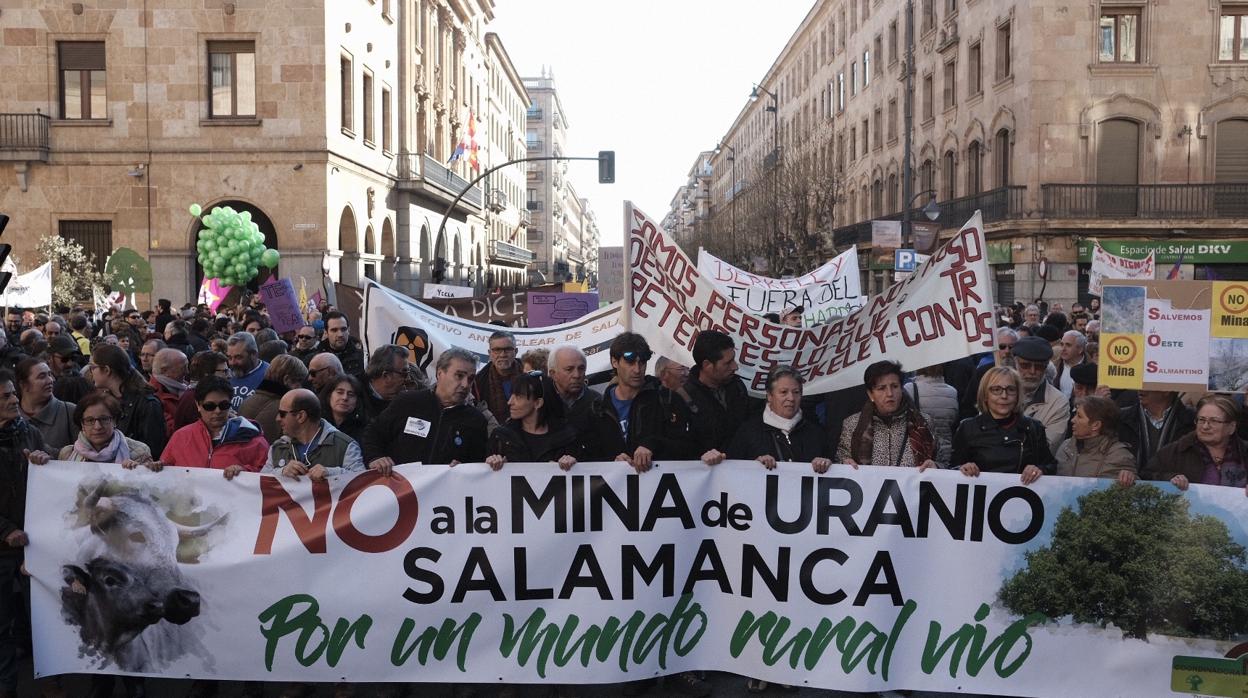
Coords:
pixel 217 440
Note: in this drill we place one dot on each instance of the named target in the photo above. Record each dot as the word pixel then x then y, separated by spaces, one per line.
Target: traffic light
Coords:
pixel 5 249
pixel 606 166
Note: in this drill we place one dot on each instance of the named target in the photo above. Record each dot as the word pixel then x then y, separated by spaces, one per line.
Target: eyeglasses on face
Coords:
pixel 281 414
pixel 633 357
pixel 1005 347
pixel 89 422
pixel 215 406
pixel 1003 390
pixel 502 350
pixel 1211 421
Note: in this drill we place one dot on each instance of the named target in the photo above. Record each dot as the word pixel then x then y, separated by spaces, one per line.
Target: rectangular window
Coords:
pixel 866 136
pixel 853 78
pixel 96 237
pixel 951 84
pixel 929 15
pixel 347 108
pixel 82 79
pixel 1005 66
pixel 892 42
pixel 1120 35
pixel 366 95
pixel 974 71
pixel 386 143
pixel 232 79
pixel 879 130
pixel 866 68
pixel 892 120
pixel 840 153
pixel 929 96
pixel 840 91
pixel 1233 35
pixel 853 143
pixel 879 49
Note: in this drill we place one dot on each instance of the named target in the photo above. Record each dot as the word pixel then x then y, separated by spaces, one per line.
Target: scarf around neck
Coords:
pixel 173 385
pixel 772 419
pixel 116 451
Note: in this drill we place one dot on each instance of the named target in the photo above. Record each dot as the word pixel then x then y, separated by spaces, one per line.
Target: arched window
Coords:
pixel 948 176
pixel 974 181
pixel 877 198
pixel 1001 146
pixel 892 194
pixel 927 177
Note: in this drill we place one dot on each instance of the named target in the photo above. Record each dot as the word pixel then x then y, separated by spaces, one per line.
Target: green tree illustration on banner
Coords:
pixel 1135 557
pixel 128 272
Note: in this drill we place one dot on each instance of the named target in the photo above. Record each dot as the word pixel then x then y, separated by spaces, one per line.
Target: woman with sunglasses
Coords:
pixel 142 416
pixel 1001 439
pixel 217 440
pixel 1211 455
pixel 536 432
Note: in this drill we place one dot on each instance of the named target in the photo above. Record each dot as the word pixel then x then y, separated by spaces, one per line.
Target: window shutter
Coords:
pixel 1232 151
pixel 231 47
pixel 81 55
pixel 1117 152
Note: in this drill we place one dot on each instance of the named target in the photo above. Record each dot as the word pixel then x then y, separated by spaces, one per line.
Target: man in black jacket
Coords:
pixel 430 426
pixel 340 343
pixel 632 422
pixel 719 402
pixel 1158 418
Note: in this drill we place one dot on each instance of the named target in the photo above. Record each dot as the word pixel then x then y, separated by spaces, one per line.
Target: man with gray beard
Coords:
pixel 1041 400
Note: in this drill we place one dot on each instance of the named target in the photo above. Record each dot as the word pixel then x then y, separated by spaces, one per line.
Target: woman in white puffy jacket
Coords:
pixel 939 401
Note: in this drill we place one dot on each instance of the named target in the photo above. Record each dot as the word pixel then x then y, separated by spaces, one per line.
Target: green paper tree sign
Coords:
pixel 128 272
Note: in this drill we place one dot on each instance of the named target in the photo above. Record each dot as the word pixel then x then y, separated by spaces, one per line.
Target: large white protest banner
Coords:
pixel 942 312
pixel 30 290
pixel 831 291
pixel 1111 266
pixel 393 318
pixel 858 580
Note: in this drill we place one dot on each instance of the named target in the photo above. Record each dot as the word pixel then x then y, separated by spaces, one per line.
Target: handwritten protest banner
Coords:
pixel 942 312
pixel 831 291
pixel 1111 266
pixel 282 301
pixel 546 309
pixel 859 580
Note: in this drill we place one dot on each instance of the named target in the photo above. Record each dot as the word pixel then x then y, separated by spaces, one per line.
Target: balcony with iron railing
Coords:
pixel 420 173
pixel 1000 204
pixel 507 253
pixel 24 137
pixel 1144 201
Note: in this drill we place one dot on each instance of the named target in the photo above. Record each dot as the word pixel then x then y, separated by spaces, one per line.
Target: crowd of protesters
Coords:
pixel 193 388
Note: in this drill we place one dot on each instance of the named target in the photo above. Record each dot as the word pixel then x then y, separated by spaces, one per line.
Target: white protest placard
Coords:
pixel 942 312
pixel 831 291
pixel 611 273
pixel 1176 343
pixel 393 318
pixel 1111 266
pixel 860 580
pixel 446 291
pixel 30 290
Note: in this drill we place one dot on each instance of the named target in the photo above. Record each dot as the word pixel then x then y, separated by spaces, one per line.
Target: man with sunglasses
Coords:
pixel 309 444
pixel 387 372
pixel 719 401
pixel 323 369
pixel 1041 401
pixel 305 344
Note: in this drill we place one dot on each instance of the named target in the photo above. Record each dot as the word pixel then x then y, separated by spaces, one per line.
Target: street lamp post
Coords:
pixel 732 157
pixel 774 108
pixel 907 169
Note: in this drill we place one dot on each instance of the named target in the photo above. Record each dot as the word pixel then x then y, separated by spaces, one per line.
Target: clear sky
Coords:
pixel 655 81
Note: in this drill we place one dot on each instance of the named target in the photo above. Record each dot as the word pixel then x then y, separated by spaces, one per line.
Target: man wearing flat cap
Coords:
pixel 1041 401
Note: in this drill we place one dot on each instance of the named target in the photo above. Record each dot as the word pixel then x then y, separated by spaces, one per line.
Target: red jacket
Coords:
pixel 168 401
pixel 191 447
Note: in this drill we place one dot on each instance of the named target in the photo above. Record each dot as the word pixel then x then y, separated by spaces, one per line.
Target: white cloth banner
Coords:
pixel 1110 266
pixel 833 290
pixel 30 290
pixel 393 318
pixel 446 291
pixel 858 580
pixel 942 312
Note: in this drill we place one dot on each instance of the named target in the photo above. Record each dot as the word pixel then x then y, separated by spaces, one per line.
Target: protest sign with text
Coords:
pixel 393 318
pixel 858 580
pixel 942 312
pixel 831 291
pixel 1110 266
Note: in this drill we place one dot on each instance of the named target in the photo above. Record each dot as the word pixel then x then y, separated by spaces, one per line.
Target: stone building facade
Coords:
pixel 1113 119
pixel 332 122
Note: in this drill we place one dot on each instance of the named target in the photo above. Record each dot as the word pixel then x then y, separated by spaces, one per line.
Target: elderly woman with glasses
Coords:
pixel 1211 455
pixel 217 440
pixel 536 432
pixel 1001 439
pixel 99 440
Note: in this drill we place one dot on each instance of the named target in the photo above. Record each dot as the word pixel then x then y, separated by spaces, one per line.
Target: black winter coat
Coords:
pixel 517 446
pixel 143 419
pixel 1133 431
pixel 454 433
pixel 997 449
pixel 806 442
pixel 651 423
pixel 712 424
pixel 20 435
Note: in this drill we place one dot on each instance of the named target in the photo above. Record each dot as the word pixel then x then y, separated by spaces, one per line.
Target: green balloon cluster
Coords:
pixel 231 246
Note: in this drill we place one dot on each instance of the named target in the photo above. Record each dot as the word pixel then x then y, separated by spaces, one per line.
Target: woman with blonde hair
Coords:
pixel 1001 439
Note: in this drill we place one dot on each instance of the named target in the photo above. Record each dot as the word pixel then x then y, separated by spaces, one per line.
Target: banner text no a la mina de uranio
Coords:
pixel 859 580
